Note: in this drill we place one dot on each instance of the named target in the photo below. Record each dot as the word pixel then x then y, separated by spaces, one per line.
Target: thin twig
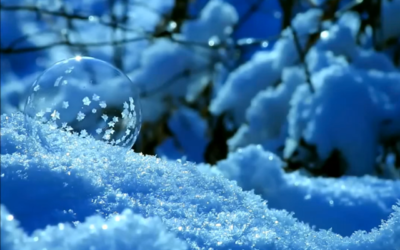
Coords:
pixel 302 53
pixel 253 8
pixel 65 15
pixel 173 79
pixel 66 43
pixel 302 56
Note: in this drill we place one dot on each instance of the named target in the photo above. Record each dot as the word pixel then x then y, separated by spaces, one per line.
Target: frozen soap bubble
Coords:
pixel 86 97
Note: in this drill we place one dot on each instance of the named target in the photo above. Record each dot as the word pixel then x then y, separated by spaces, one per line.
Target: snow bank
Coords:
pixel 343 204
pixel 83 178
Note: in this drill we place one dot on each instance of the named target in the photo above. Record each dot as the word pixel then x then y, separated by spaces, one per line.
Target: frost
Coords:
pixel 88 79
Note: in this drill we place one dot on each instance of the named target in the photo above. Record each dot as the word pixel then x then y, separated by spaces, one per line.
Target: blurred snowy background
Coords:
pixel 298 100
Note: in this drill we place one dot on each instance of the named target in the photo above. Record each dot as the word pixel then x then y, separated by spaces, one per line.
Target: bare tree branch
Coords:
pixel 67 43
pixel 302 56
pixel 302 53
pixel 182 74
pixel 68 16
pixel 253 8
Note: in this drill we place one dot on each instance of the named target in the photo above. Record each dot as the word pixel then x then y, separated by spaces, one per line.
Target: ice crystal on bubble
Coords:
pixel 86 101
pixel 80 116
pixel 55 115
pixel 85 96
pixel 95 98
pixel 103 104
pixel 65 105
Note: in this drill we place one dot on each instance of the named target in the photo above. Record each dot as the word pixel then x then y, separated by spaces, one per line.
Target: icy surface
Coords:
pixel 81 177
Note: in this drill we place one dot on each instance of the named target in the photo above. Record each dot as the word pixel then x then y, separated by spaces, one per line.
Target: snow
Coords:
pixel 183 64
pixel 349 116
pixel 120 232
pixel 214 20
pixel 351 125
pixel 79 193
pixel 195 209
pixel 189 129
pixel 263 70
pixel 340 204
pixel 266 115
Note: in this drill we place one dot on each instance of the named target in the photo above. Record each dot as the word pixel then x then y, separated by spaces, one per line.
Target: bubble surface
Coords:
pixel 86 97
